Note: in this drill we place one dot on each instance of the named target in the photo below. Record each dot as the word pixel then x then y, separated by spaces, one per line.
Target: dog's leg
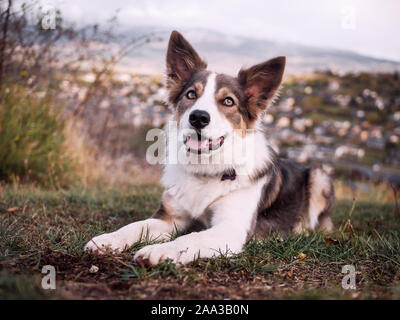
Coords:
pixel 233 222
pixel 160 226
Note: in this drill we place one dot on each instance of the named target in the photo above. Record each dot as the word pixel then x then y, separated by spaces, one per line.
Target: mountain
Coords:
pixel 228 53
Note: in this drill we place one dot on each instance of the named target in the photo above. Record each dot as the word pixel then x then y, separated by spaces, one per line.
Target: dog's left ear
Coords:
pixel 261 83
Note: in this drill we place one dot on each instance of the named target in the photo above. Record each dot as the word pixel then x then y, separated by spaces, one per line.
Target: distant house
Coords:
pixel 376 143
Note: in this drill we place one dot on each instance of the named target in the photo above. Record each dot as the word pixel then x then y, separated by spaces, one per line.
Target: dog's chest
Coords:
pixel 195 194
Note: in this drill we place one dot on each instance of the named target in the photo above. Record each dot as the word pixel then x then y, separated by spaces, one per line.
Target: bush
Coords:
pixel 32 142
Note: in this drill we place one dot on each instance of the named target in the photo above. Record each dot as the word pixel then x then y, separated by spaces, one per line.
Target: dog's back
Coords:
pixel 297 198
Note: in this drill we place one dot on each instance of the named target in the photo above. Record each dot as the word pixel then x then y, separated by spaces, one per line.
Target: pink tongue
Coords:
pixel 196 144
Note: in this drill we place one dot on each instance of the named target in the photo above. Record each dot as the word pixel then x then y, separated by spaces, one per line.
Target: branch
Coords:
pixel 3 43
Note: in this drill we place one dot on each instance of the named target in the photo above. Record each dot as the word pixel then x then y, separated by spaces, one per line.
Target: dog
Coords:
pixel 221 205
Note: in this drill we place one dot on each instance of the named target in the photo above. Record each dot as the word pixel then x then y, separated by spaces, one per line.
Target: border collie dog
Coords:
pixel 218 205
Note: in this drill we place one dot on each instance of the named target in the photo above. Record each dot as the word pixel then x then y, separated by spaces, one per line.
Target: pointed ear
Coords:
pixel 182 62
pixel 261 83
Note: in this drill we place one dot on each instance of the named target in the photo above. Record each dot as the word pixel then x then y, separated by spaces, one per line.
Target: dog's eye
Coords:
pixel 191 94
pixel 228 101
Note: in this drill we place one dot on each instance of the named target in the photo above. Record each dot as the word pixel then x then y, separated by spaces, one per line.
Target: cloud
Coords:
pixel 375 28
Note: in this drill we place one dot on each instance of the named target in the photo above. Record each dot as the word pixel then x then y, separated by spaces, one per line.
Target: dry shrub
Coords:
pixel 98 169
pixel 32 139
pixel 363 191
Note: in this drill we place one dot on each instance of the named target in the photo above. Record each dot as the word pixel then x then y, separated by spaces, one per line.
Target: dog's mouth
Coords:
pixel 196 143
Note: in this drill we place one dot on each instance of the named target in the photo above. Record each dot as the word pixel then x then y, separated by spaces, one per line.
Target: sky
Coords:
pixel 370 27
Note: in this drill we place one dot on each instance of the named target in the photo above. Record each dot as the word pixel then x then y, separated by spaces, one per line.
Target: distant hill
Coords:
pixel 227 53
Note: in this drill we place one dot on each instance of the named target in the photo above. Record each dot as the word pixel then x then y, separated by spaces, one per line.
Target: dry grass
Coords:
pixel 364 191
pixel 39 227
pixel 99 168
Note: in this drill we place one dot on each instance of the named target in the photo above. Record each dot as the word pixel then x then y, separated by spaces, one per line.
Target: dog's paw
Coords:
pixel 153 254
pixel 106 242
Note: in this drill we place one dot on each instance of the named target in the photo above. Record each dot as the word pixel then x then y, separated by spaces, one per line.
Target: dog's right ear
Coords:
pixel 182 62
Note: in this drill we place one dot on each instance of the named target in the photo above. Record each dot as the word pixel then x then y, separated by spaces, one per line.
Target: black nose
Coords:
pixel 199 119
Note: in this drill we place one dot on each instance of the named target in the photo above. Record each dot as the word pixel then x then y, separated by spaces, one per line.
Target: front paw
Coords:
pixel 106 242
pixel 153 254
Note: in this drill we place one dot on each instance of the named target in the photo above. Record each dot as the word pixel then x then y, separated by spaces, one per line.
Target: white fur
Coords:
pixel 154 229
pixel 230 225
pixel 320 184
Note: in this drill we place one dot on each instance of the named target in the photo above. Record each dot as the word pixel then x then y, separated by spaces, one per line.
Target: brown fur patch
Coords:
pixel 231 113
pixel 199 88
pixel 227 86
pixel 164 212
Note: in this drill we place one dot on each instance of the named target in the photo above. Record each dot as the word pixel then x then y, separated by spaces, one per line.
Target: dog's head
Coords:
pixel 212 105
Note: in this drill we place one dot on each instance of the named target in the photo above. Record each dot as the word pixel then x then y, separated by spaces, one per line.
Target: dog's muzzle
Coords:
pixel 195 143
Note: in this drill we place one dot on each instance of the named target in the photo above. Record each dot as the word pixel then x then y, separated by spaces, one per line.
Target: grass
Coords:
pixel 40 228
pixel 32 141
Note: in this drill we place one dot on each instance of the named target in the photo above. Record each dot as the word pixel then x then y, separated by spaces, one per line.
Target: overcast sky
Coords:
pixel 370 27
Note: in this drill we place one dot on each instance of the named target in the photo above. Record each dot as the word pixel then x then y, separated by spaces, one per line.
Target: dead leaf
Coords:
pixel 349 227
pixel 302 256
pixel 330 241
pixel 13 209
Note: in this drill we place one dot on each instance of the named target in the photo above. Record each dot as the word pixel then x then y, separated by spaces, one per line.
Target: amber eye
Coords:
pixel 228 101
pixel 191 94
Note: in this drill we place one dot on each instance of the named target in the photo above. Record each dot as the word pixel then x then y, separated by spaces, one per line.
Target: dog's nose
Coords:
pixel 199 119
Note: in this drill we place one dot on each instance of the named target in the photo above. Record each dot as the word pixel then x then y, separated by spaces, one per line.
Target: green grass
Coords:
pixel 32 142
pixel 47 227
